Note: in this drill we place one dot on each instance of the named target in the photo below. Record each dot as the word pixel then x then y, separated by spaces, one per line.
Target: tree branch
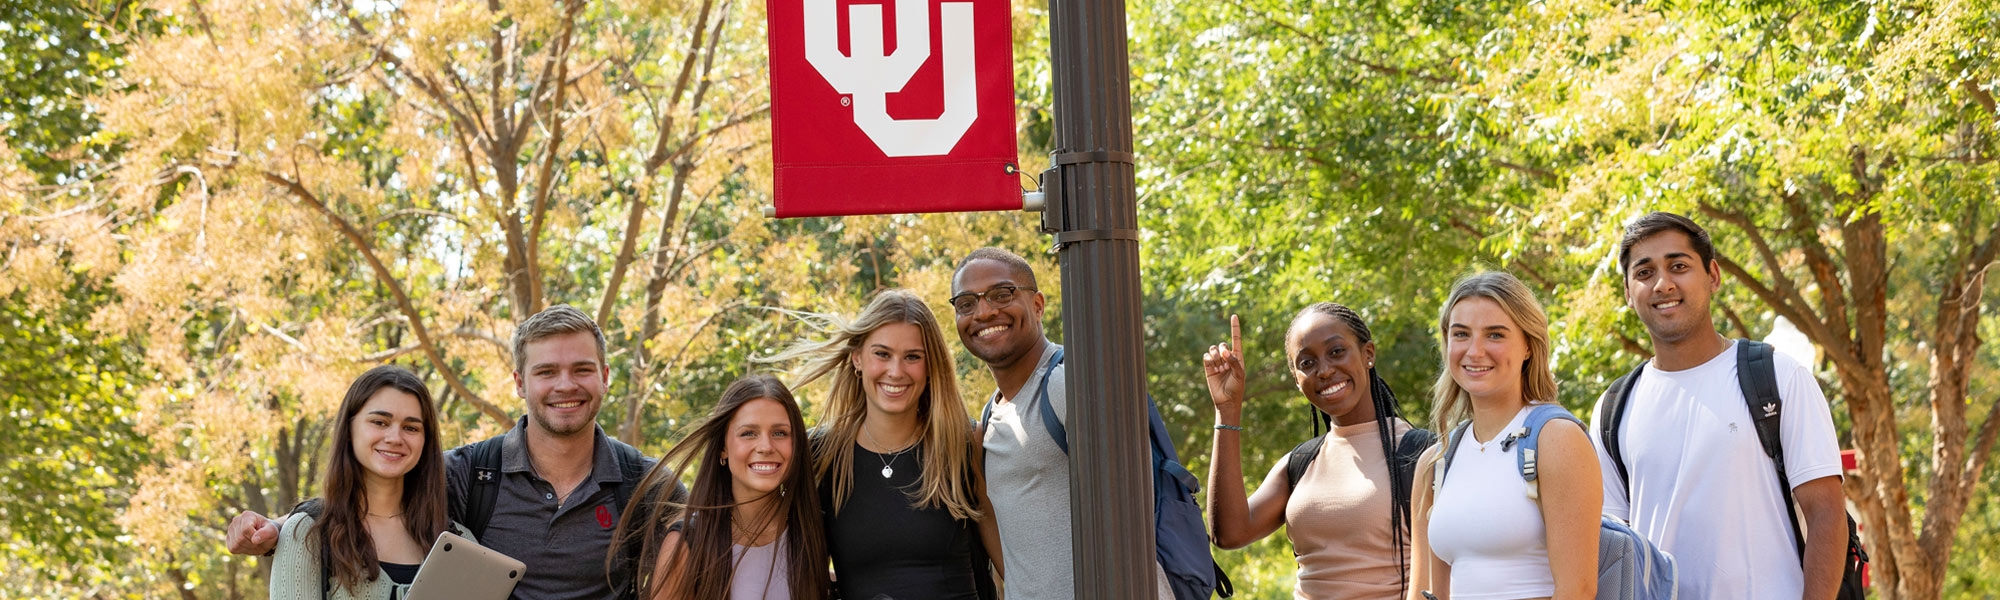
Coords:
pixel 388 280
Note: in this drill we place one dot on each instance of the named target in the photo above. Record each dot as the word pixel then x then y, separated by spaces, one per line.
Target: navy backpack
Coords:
pixel 1180 536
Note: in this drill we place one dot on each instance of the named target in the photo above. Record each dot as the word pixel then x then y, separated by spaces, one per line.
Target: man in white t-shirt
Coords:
pixel 1701 486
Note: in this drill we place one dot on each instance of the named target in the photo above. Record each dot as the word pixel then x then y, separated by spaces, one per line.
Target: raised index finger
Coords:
pixel 1235 335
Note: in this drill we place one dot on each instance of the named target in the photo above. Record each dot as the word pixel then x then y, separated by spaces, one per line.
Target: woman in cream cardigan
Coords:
pixel 383 498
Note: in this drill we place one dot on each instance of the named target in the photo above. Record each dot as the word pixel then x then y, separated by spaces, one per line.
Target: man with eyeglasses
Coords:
pixel 999 319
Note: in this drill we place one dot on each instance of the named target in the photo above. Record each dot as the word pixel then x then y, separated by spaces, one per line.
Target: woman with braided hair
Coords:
pixel 1343 497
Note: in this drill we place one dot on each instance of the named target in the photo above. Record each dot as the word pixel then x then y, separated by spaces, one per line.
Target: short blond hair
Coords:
pixel 553 321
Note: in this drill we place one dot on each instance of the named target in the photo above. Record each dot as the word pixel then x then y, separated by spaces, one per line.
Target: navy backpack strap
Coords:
pixel 483 487
pixel 1615 400
pixel 1299 458
pixel 1164 458
pixel 1050 421
pixel 1757 374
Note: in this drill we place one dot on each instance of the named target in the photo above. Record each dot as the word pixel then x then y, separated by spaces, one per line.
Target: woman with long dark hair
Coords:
pixel 750 527
pixel 382 501
pixel 1483 531
pixel 1347 509
pixel 895 456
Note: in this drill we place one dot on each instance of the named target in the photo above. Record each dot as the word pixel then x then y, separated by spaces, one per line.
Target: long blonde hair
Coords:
pixel 942 422
pixel 1449 402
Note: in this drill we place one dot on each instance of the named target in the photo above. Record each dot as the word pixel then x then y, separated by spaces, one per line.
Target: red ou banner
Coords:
pixel 892 106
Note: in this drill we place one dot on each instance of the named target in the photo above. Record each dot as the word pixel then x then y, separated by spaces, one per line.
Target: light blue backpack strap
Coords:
pixel 1529 438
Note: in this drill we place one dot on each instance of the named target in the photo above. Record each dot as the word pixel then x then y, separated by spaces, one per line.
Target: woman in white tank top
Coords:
pixel 1478 534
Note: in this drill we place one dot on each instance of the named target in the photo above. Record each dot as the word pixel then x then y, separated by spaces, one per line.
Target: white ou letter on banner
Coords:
pixel 871 74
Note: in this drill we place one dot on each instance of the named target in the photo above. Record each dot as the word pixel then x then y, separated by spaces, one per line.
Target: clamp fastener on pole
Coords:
pixel 1094 156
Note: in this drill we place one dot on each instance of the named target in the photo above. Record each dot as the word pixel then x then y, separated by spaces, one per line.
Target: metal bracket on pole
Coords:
pixel 1094 156
pixel 1052 200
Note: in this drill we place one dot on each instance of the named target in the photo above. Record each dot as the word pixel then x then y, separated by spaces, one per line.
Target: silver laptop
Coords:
pixel 459 569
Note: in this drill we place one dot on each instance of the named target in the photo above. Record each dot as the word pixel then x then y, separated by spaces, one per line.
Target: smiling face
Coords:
pixel 758 446
pixel 1485 350
pixel 998 335
pixel 1669 288
pixel 891 363
pixel 1331 367
pixel 388 434
pixel 563 383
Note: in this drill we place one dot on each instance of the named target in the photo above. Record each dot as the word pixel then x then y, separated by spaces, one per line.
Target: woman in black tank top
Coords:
pixel 895 457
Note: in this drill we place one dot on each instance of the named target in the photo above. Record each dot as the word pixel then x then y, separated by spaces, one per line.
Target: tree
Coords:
pixel 1836 151
pixel 1370 153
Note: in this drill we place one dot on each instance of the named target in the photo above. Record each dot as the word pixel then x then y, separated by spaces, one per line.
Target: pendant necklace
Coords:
pixel 886 460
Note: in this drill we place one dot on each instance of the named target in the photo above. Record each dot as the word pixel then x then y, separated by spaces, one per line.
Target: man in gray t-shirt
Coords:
pixel 999 320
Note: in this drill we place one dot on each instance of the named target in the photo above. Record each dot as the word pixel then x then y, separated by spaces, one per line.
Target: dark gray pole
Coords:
pixel 1111 499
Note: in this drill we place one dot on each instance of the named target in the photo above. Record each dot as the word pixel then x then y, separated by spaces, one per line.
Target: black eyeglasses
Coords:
pixel 1000 295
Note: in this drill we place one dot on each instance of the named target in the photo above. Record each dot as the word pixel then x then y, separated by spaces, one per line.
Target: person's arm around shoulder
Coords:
pixel 250 534
pixel 665 570
pixel 1572 490
pixel 1233 520
pixel 1428 573
pixel 295 572
pixel 989 521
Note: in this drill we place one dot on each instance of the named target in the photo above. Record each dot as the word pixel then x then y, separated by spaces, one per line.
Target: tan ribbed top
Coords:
pixel 1338 518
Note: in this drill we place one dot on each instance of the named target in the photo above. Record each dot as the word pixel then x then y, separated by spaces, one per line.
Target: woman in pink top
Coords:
pixel 1347 510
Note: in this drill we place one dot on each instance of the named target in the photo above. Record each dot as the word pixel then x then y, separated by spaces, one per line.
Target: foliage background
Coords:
pixel 182 305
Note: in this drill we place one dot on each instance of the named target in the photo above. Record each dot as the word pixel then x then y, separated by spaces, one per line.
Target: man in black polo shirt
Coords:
pixel 557 484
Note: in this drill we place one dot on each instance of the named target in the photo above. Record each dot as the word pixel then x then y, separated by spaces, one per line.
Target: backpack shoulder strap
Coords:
pixel 1403 466
pixel 1408 449
pixel 986 413
pixel 631 468
pixel 483 491
pixel 1165 459
pixel 1450 448
pixel 1299 458
pixel 1049 419
pixel 1757 375
pixel 1528 437
pixel 1613 415
pixel 314 507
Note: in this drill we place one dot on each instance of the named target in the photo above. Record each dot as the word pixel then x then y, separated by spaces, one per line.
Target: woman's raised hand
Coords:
pixel 1223 365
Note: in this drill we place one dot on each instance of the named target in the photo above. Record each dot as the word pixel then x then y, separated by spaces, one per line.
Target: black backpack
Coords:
pixel 1402 466
pixel 1757 374
pixel 482 491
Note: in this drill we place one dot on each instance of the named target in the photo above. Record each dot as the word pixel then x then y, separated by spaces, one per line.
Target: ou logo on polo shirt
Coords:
pixel 870 75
